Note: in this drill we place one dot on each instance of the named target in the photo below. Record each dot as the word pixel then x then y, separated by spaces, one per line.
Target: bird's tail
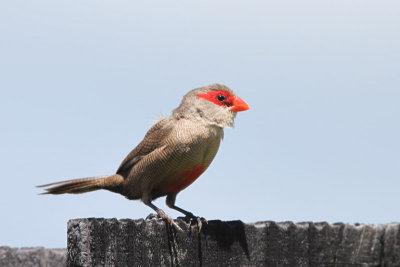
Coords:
pixel 83 185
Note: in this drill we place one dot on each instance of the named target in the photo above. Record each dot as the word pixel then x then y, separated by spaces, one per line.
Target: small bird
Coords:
pixel 173 154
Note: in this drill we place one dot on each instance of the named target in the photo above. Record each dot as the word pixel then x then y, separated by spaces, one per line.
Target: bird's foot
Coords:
pixel 164 216
pixel 152 216
pixel 190 218
pixel 174 224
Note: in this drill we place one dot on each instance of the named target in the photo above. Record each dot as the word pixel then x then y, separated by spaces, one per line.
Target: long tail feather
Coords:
pixel 77 186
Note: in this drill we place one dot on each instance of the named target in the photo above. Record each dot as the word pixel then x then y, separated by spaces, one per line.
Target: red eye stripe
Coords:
pixel 213 97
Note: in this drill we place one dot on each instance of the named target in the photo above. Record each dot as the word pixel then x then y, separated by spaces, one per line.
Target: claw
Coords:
pixel 174 224
pixel 190 218
pixel 164 216
pixel 152 216
pixel 161 214
pixel 199 223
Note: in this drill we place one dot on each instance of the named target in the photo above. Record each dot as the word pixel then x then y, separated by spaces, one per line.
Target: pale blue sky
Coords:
pixel 82 81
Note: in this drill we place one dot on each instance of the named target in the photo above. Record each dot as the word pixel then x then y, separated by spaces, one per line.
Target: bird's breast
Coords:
pixel 195 154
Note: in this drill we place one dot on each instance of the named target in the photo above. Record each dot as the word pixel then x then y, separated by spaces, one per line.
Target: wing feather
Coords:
pixel 151 142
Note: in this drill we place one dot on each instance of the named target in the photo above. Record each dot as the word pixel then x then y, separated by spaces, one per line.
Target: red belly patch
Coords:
pixel 185 180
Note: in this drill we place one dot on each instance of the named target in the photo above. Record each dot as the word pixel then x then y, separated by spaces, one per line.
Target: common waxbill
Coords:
pixel 174 152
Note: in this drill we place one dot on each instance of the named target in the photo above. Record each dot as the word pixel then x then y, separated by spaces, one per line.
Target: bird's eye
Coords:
pixel 221 98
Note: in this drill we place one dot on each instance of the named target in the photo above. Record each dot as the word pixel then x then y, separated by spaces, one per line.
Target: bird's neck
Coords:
pixel 206 117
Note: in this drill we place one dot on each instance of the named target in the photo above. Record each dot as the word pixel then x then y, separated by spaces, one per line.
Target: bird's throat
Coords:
pixel 185 179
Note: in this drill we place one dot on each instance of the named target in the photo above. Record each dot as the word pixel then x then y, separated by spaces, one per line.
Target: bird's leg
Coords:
pixel 163 215
pixel 170 201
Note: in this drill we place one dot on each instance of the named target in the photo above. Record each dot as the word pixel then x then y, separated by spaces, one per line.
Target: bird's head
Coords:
pixel 213 104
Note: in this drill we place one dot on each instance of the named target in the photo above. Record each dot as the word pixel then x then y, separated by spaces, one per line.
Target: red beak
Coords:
pixel 239 105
